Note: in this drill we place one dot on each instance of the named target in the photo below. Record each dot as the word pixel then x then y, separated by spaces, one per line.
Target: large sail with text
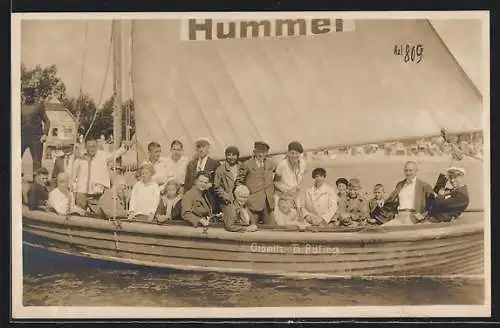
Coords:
pixel 317 82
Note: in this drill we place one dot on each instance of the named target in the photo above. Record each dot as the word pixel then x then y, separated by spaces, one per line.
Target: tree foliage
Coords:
pixel 42 85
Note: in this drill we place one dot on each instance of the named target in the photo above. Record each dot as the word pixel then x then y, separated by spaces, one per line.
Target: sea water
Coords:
pixel 52 279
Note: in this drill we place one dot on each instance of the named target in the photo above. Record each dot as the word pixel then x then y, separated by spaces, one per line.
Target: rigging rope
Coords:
pixel 103 84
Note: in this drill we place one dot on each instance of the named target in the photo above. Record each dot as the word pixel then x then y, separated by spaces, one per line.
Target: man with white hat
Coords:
pixel 448 203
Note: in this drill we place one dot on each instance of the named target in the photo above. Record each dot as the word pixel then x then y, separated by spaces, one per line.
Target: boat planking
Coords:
pixel 436 250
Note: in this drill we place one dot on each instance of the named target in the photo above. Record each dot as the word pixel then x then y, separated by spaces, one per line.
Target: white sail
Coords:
pixel 335 88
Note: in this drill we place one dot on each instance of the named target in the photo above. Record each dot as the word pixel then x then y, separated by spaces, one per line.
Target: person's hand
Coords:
pixel 204 222
pixel 43 138
pixel 419 217
pixel 126 144
pixel 441 192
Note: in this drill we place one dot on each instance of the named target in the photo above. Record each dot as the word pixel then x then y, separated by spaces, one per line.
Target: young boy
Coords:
pixel 285 214
pixel 169 207
pixel 38 194
pixel 237 216
pixel 376 203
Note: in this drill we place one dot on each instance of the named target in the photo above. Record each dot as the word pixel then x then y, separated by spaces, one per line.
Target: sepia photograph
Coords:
pixel 219 165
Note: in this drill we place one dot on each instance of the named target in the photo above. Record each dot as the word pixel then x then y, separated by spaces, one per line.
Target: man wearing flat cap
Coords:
pixel 448 203
pixel 257 173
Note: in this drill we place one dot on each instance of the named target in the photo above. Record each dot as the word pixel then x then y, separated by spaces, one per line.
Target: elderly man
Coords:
pixel 410 197
pixel 91 175
pixel 257 173
pixel 32 134
pixel 177 163
pixel 448 203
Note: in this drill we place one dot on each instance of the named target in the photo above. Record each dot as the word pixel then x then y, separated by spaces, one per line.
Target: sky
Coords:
pixel 62 42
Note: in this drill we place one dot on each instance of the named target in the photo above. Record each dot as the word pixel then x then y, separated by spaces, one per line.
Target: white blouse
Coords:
pixel 144 198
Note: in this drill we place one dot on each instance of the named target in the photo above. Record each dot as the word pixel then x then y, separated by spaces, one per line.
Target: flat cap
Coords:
pixel 295 145
pixel 455 171
pixel 354 183
pixel 261 145
pixel 202 141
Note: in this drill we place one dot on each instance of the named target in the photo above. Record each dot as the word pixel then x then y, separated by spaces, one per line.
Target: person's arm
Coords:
pixel 58 204
pixel 155 201
pixel 219 190
pixel 187 211
pixel 32 201
pixel 332 202
pixel 45 120
pixel 133 199
pixel 456 201
pixel 242 175
pixel 279 184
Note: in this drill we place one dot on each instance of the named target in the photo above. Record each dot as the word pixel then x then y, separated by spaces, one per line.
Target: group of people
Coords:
pixel 242 195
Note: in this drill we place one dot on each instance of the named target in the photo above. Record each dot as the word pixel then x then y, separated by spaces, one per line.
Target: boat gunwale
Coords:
pixel 444 230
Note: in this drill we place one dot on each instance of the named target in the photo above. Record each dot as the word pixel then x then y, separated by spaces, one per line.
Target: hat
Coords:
pixel 455 171
pixel 354 183
pixel 202 142
pixel 295 145
pixel 261 145
pixel 241 190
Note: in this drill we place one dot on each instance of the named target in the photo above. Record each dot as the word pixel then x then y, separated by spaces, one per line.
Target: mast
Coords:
pixel 117 83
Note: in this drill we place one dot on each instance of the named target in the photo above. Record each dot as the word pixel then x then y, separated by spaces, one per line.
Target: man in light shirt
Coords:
pixel 321 200
pixel 410 195
pixel 177 163
pixel 91 173
pixel 160 164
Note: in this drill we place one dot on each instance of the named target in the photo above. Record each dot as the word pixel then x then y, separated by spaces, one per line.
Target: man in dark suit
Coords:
pixel 257 173
pixel 33 135
pixel 204 163
pixel 410 196
pixel 448 203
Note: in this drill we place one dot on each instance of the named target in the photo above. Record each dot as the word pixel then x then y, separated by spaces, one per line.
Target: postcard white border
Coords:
pixel 69 312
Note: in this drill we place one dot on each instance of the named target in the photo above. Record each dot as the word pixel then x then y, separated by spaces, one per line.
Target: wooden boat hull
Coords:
pixel 423 250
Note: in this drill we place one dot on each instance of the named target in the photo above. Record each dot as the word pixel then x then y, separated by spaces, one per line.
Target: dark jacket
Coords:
pixel 37 196
pixel 224 183
pixel 175 212
pixel 450 205
pixel 210 167
pixel 423 191
pixel 195 205
pixel 372 206
pixel 260 182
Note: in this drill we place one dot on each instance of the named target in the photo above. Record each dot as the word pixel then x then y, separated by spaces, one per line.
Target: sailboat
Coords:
pixel 350 86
